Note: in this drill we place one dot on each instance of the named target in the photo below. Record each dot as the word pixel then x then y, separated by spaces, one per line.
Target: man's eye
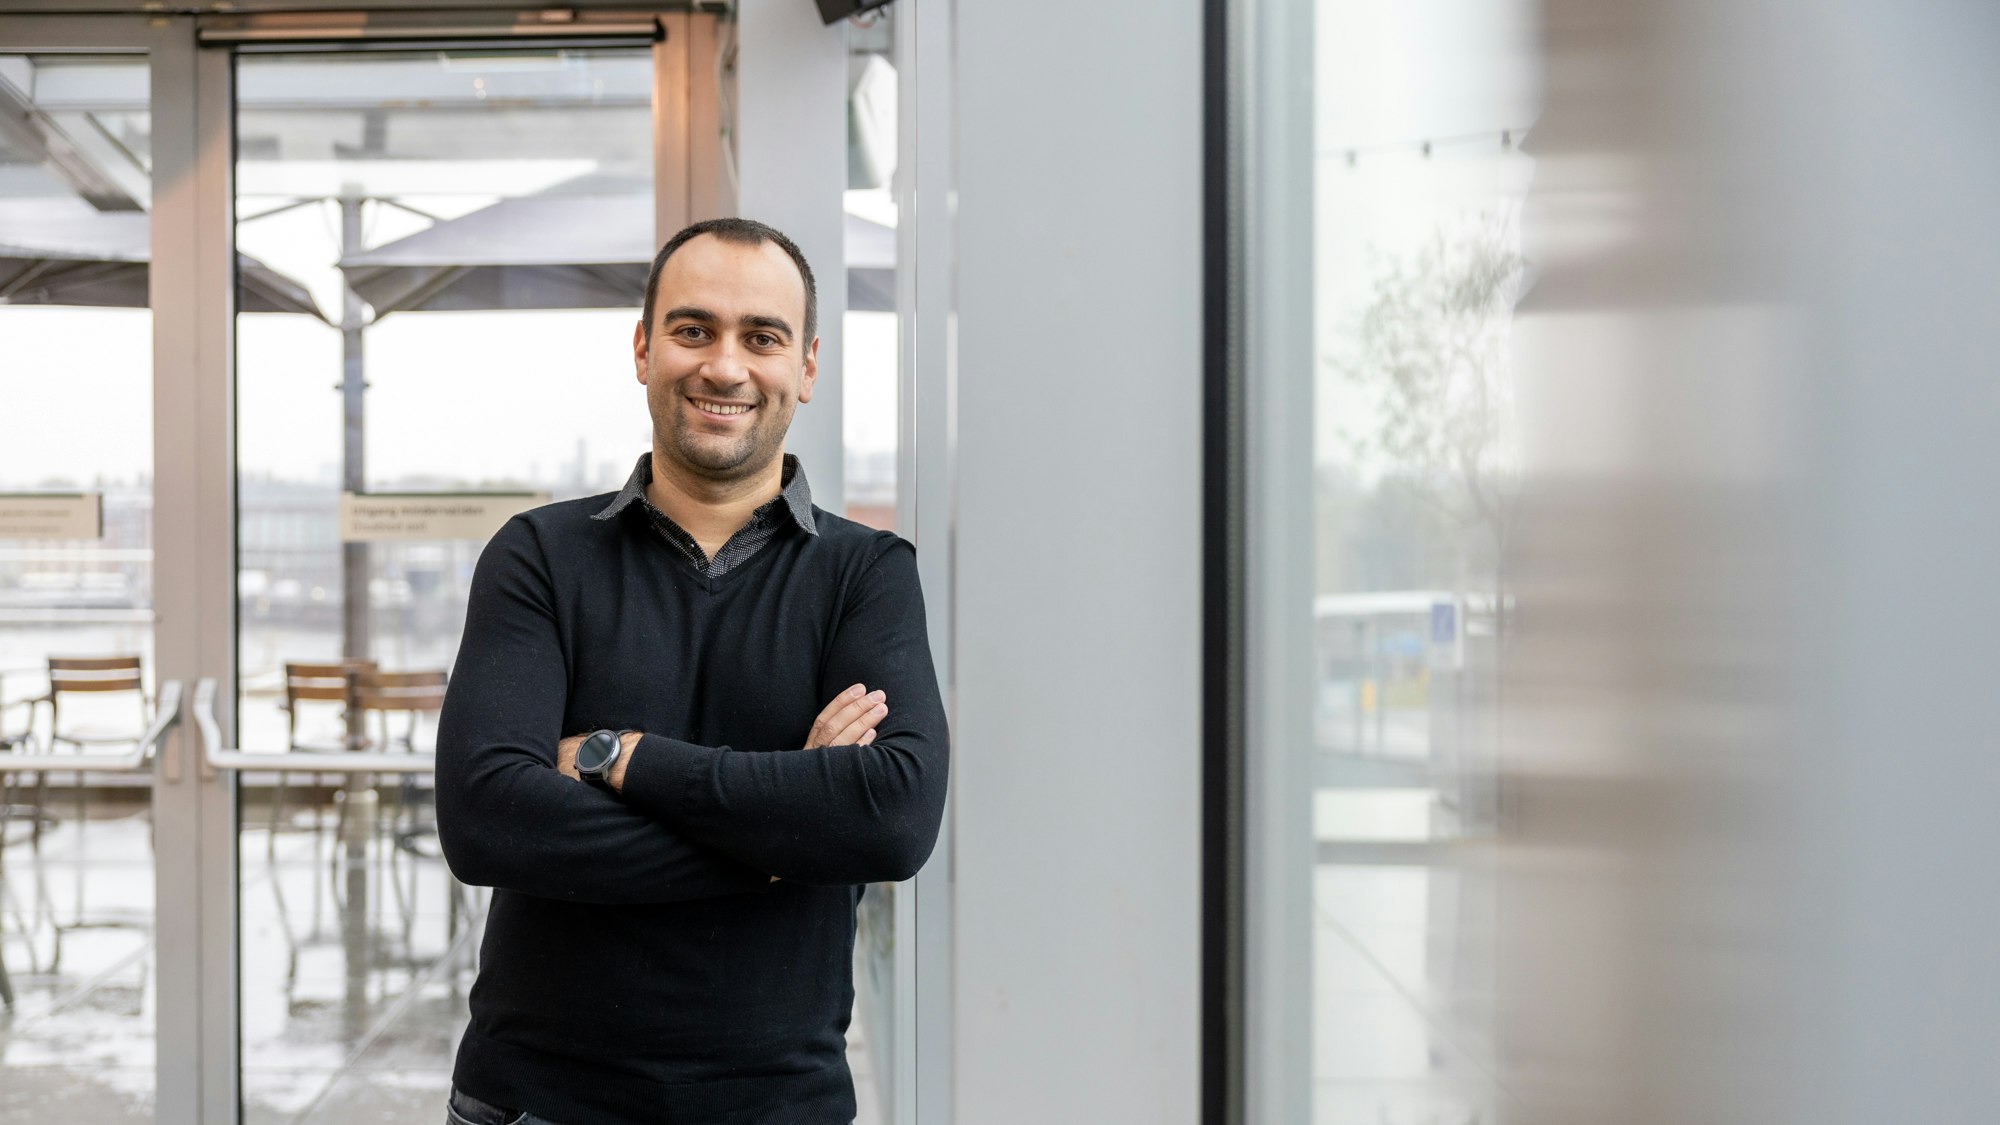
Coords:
pixel 764 340
pixel 689 332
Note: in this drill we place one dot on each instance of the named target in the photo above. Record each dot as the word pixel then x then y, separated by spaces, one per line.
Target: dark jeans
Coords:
pixel 464 1109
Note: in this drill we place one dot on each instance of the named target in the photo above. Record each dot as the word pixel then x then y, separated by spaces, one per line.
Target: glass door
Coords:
pixel 470 230
pixel 442 251
pixel 80 691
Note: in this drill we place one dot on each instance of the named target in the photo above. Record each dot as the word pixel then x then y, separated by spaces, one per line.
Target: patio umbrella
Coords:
pixel 532 252
pixel 60 252
pixel 562 251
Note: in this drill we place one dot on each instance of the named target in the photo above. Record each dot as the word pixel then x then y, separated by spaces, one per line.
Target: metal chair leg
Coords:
pixel 277 808
pixel 6 814
pixel 41 807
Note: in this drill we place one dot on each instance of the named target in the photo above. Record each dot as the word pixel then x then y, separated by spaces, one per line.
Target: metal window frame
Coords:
pixel 199 294
pixel 1271 180
pixel 927 513
pixel 23 32
pixel 1259 545
pixel 1222 605
pixel 361 29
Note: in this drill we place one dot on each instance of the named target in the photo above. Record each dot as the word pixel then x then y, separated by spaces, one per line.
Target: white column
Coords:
pixel 1077 609
pixel 791 157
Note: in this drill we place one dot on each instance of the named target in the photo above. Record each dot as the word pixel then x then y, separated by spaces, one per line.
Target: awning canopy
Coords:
pixel 562 251
pixel 533 252
pixel 55 253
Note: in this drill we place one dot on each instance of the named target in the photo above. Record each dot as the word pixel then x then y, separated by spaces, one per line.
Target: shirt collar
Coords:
pixel 796 493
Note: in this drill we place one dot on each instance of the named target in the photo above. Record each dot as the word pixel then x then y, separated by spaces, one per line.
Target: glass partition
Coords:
pixel 76 588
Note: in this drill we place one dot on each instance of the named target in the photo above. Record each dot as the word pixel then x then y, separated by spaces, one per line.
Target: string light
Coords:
pixel 1428 147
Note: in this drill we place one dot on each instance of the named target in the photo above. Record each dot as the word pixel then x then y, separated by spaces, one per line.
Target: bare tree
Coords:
pixel 1431 347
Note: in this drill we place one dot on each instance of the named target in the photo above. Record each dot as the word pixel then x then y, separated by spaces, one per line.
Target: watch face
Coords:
pixel 596 752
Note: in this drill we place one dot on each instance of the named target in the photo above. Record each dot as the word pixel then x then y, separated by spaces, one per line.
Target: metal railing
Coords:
pixel 216 757
pixel 138 758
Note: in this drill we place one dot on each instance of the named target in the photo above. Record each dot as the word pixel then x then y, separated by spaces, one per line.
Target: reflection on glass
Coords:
pixel 1419 179
pixel 470 235
pixel 76 597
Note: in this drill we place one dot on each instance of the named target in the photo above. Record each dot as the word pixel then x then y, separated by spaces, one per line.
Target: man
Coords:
pixel 688 723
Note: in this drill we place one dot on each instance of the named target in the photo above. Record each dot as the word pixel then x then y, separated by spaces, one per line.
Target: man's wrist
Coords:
pixel 628 743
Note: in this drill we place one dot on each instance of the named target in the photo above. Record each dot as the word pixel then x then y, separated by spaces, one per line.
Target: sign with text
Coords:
pixel 367 517
pixel 51 515
pixel 1447 647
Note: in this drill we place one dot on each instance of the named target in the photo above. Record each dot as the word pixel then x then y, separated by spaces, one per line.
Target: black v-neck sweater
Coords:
pixel 639 965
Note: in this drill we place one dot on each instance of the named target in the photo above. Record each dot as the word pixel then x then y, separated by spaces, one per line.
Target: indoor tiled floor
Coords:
pixel 76 941
pixel 1402 969
pixel 355 972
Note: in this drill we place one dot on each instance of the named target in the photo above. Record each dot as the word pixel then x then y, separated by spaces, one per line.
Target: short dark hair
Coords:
pixel 743 232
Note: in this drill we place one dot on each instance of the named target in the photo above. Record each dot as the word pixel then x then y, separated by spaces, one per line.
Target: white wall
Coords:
pixel 1076 971
pixel 791 159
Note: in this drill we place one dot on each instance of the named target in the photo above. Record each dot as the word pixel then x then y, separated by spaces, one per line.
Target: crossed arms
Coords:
pixel 691 821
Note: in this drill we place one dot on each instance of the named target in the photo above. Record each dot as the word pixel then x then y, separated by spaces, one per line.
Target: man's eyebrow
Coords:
pixel 690 312
pixel 770 323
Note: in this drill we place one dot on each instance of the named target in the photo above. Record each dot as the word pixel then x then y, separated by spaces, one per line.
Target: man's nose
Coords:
pixel 727 364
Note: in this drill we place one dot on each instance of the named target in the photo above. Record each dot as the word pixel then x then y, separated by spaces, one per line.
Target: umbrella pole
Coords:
pixel 359 805
pixel 353 474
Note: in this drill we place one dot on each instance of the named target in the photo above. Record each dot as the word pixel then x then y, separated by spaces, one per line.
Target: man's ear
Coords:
pixel 811 371
pixel 639 349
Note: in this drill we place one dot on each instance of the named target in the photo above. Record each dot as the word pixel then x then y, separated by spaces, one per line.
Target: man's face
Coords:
pixel 725 366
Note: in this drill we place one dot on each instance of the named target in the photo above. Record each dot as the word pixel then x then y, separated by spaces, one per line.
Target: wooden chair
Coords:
pixel 411 695
pixel 90 676
pixel 93 675
pixel 335 683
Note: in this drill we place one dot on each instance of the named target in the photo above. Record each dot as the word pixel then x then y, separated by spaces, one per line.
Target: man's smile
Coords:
pixel 717 408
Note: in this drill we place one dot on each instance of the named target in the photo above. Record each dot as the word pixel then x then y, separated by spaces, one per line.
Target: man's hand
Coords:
pixel 850 719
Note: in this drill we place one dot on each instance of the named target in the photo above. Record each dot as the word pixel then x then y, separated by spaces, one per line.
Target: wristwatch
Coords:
pixel 596 754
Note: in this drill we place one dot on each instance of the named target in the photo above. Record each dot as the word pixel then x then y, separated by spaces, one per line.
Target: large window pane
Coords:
pixel 76 574
pixel 1419 180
